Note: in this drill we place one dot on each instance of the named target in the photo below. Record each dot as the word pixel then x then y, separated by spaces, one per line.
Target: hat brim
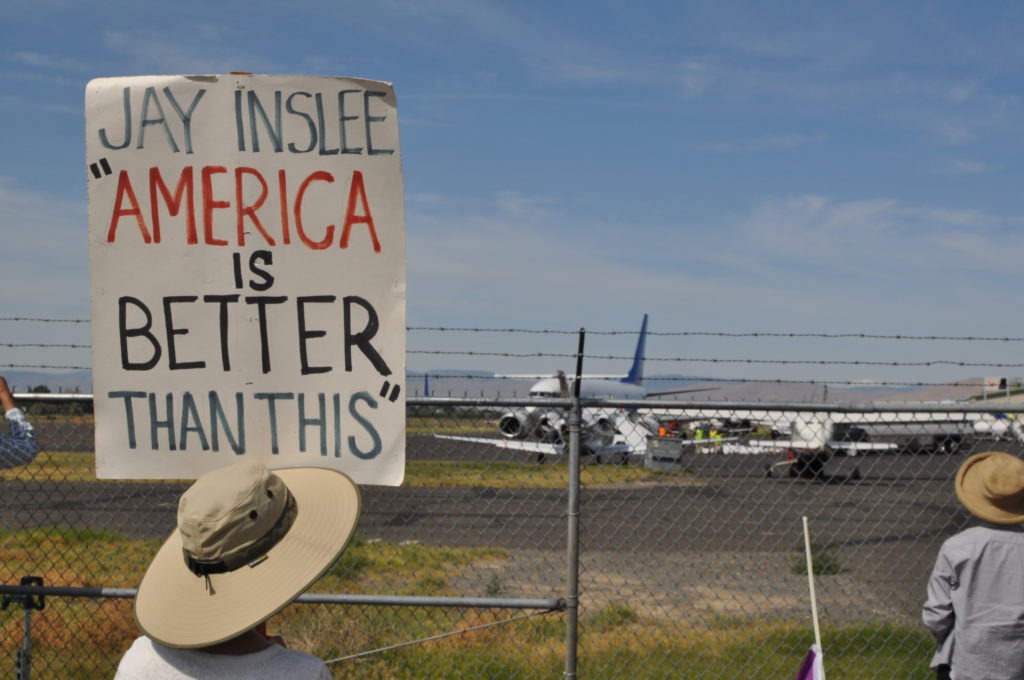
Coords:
pixel 972 494
pixel 174 607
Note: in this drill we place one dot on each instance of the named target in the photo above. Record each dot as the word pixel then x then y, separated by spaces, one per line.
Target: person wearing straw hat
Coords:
pixel 975 601
pixel 248 542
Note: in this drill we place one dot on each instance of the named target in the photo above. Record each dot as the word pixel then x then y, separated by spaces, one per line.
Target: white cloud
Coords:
pixel 182 48
pixel 961 92
pixel 952 133
pixel 46 252
pixel 47 61
pixel 775 142
pixel 878 238
pixel 962 167
pixel 696 78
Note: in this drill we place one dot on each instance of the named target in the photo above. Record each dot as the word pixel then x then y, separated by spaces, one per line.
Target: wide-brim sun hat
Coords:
pixel 991 486
pixel 249 541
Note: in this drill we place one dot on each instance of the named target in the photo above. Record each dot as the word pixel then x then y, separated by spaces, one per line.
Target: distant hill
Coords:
pixel 458 383
pixel 25 381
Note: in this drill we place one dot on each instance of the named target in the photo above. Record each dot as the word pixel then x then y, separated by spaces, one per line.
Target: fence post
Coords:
pixel 29 603
pixel 573 551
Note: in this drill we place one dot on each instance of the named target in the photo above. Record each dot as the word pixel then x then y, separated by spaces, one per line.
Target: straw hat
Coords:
pixel 248 542
pixel 991 487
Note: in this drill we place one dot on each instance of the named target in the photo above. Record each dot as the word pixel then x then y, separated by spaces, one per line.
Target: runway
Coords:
pixel 887 526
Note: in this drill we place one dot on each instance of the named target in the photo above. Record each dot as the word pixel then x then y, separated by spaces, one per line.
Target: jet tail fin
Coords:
pixel 636 371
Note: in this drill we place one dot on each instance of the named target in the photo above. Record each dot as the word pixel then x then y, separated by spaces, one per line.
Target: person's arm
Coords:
pixel 6 398
pixel 938 614
pixel 20 446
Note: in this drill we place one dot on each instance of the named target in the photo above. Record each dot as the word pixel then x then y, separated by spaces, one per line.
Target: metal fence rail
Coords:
pixel 688 557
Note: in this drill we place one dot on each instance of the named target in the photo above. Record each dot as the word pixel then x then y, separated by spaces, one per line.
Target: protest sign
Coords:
pixel 247 253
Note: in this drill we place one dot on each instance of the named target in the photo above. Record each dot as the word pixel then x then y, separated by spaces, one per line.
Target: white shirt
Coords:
pixel 975 606
pixel 148 660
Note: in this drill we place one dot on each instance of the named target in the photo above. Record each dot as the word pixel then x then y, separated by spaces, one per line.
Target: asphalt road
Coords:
pixel 747 507
pixel 887 525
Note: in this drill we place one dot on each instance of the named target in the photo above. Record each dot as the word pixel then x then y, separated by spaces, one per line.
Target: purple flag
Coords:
pixel 813 668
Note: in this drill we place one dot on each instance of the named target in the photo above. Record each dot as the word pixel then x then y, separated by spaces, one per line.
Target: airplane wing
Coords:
pixel 853 448
pixel 696 442
pixel 779 445
pixel 681 390
pixel 543 448
pixel 704 442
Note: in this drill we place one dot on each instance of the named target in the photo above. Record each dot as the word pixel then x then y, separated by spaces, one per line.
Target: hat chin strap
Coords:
pixel 251 555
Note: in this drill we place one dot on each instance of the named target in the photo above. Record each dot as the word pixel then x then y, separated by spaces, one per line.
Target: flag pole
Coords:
pixel 810 583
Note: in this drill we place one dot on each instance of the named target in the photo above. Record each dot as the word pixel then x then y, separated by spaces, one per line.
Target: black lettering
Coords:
pixel 223 300
pixel 172 354
pixel 139 332
pixel 305 334
pixel 266 258
pixel 261 302
pixel 363 337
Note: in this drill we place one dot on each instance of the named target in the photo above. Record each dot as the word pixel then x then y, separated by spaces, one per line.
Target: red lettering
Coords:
pixel 184 189
pixel 357 192
pixel 282 185
pixel 299 228
pixel 125 191
pixel 174 202
pixel 249 211
pixel 209 204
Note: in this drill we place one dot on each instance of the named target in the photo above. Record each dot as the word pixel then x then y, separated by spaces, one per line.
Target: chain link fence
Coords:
pixel 690 545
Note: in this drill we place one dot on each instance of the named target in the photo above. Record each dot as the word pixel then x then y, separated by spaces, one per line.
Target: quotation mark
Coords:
pixel 394 391
pixel 97 167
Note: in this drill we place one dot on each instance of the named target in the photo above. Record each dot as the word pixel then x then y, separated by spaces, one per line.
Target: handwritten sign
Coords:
pixel 247 247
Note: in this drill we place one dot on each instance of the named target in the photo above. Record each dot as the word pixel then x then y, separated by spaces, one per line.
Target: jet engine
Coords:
pixel 524 423
pixel 596 431
pixel 513 424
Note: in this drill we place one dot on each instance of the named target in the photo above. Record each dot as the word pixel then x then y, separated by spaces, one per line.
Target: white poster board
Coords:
pixel 247 248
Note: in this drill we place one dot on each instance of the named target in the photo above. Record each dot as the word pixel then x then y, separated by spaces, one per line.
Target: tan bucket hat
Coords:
pixel 249 541
pixel 991 486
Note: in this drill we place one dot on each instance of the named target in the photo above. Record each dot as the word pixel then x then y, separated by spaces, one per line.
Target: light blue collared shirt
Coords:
pixel 975 605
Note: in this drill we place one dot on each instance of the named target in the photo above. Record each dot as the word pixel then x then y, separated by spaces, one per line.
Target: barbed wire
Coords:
pixel 47 367
pixel 44 345
pixel 743 361
pixel 700 333
pixel 678 360
pixel 777 362
pixel 674 360
pixel 42 320
pixel 727 334
pixel 690 379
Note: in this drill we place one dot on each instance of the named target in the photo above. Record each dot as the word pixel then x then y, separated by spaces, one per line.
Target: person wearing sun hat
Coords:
pixel 248 542
pixel 975 599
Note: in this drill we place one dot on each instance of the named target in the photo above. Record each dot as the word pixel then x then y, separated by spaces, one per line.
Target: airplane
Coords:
pixel 543 429
pixel 616 434
pixel 814 437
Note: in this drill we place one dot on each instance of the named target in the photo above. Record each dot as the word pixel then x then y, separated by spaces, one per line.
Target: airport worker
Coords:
pixel 19 445
pixel 975 602
pixel 248 542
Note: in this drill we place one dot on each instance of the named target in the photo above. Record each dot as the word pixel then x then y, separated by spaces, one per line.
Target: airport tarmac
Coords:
pixel 662 539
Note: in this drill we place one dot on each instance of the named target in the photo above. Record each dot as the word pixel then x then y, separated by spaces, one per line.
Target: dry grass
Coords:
pixel 80 467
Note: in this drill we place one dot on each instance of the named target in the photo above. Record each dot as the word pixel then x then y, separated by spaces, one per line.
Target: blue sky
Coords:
pixel 732 167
